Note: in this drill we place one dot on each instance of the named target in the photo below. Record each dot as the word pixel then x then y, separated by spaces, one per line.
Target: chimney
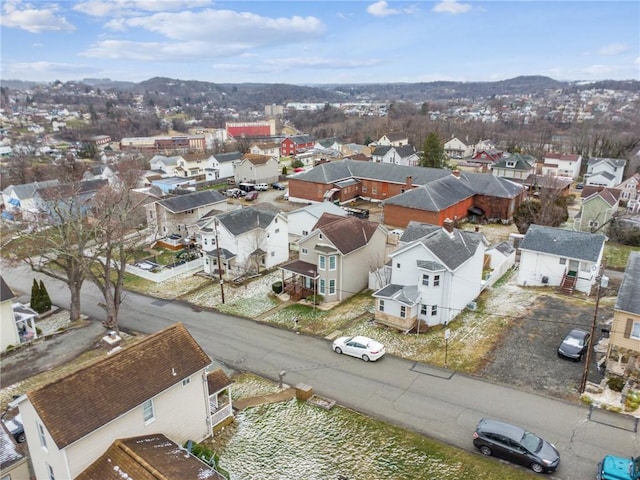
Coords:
pixel 456 173
pixel 409 182
pixel 448 225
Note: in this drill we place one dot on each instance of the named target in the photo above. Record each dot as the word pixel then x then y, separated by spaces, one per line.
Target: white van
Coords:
pixel 263 187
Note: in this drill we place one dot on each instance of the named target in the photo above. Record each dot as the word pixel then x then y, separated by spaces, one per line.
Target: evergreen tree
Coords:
pixel 36 303
pixel 433 152
pixel 45 299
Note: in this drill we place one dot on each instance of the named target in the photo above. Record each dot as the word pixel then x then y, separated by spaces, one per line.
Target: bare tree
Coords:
pixel 117 234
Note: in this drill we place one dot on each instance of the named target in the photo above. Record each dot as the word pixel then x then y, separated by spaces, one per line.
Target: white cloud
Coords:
pixel 157 51
pixel 601 71
pixel 451 6
pixel 103 8
pixel 381 9
pixel 39 70
pixel 613 49
pixel 223 27
pixel 637 61
pixel 322 62
pixel 15 14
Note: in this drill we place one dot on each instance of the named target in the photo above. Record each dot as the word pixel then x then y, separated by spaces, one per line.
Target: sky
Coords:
pixel 306 42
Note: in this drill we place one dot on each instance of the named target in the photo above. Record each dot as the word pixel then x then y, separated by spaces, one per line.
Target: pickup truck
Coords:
pixel 619 468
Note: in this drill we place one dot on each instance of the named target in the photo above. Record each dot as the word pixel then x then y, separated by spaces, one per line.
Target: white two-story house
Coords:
pixel 561 165
pixel 246 240
pixel 435 273
pixel 403 155
pixel 604 172
pixel 158 385
pixel 220 165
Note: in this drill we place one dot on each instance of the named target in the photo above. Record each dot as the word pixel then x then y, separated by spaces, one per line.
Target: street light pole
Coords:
pixel 585 373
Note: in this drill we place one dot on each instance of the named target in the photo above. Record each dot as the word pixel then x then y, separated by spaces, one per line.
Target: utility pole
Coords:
pixel 215 224
pixel 600 279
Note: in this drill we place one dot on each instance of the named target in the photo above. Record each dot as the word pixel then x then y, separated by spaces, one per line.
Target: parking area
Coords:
pixel 526 355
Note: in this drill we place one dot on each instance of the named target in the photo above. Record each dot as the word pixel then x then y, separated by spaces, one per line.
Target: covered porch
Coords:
pixel 220 405
pixel 299 279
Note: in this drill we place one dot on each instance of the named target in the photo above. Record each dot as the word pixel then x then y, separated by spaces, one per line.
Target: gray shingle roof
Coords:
pixel 182 203
pixel 563 243
pixel 227 157
pixel 435 196
pixel 248 218
pixel 629 294
pixel 416 230
pixel 428 265
pixel 5 291
pixel 522 162
pixel 615 162
pixel 452 252
pixel 27 190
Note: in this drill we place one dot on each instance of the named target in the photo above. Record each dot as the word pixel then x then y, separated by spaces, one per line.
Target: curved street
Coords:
pixel 438 403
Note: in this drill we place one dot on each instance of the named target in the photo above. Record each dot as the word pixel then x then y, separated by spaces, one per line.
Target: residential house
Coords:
pixel 433 277
pixel 351 149
pixel 456 148
pixel 164 165
pixel 598 207
pixel 220 165
pixel 181 166
pixel 562 165
pixel 515 167
pixel 302 220
pixel 19 200
pixel 149 457
pixel 623 353
pixel 604 172
pixel 335 258
pixel 157 385
pixel 547 185
pixel 14 465
pixel 256 169
pixel 245 240
pixel 486 157
pixel 58 203
pixel 393 139
pixel 169 185
pixel 101 172
pixel 403 155
pixel 176 218
pixel 9 334
pixel 630 192
pixel 556 257
pixel 328 144
pixel 271 149
pixel 295 144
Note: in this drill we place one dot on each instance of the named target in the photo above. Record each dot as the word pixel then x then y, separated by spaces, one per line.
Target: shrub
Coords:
pixel 616 383
pixel 315 299
pixel 44 297
pixel 284 170
pixel 36 302
pixel 276 287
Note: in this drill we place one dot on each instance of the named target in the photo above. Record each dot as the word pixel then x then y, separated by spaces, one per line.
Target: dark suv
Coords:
pixel 493 437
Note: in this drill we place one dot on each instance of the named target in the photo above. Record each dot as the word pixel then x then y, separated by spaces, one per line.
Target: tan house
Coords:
pixel 8 332
pixel 158 385
pixel 256 169
pixel 335 258
pixel 623 356
pixel 599 205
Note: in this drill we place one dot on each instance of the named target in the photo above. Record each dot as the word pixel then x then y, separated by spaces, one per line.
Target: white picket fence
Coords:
pixel 165 273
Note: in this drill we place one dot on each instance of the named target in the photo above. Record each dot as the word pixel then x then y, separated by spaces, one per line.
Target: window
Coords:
pixel 332 287
pixel 147 411
pixel 273 254
pixel 332 262
pixel 423 310
pixel 304 251
pixel 434 310
pixel 322 286
pixel 403 311
pixel 425 280
pixel 436 280
pixel 364 189
pixel 632 329
pixel 50 472
pixel 563 261
pixel 277 230
pixel 381 305
pixel 186 381
pixel 397 265
pixel 322 262
pixel 43 439
pixel 374 190
pixel 304 232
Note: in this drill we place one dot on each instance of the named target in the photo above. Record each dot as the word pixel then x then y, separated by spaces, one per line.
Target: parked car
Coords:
pixel 574 345
pixel 494 437
pixel 263 187
pixel 234 192
pixel 252 195
pixel 579 186
pixel 619 468
pixel 360 347
pixel 15 428
pixel 277 186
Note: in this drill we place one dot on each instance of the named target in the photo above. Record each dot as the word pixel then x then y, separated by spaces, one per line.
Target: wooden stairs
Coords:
pixel 568 284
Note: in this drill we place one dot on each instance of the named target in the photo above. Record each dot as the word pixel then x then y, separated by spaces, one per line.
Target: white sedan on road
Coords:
pixel 361 347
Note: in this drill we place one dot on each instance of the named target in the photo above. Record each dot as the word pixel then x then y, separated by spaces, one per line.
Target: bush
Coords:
pixel 44 297
pixel 276 287
pixel 317 299
pixel 616 383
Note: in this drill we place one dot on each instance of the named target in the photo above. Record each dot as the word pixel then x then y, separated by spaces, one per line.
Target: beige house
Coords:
pixel 256 169
pixel 623 356
pixel 158 385
pixel 271 149
pixel 335 258
pixel 8 331
pixel 13 464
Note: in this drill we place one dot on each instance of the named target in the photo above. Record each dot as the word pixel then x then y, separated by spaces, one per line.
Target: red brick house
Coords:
pixel 290 146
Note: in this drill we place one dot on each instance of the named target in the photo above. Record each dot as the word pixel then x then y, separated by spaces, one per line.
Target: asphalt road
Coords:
pixel 438 403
